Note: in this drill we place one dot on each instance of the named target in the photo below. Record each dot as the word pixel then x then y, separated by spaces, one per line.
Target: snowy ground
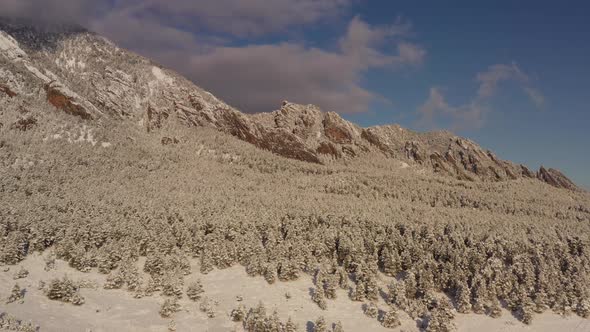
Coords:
pixel 117 310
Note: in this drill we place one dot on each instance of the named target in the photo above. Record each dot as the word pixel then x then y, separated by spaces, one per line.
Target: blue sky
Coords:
pixel 513 76
pixel 549 41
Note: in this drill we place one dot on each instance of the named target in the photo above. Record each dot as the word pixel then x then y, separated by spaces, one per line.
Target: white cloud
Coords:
pixel 468 116
pixel 472 114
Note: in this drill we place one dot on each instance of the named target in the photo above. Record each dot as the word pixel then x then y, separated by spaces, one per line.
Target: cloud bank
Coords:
pixel 199 38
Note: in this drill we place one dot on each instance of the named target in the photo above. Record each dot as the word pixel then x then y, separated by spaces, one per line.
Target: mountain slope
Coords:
pixel 85 75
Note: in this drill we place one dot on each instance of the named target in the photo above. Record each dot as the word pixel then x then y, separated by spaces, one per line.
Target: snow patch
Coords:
pixel 82 134
pixel 37 73
pixel 9 47
pixel 200 150
pixel 70 63
pixel 22 164
pixel 86 136
pixel 161 76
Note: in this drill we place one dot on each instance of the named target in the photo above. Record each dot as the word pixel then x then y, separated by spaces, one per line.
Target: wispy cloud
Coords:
pixel 468 116
pixel 535 96
pixel 472 115
pixel 489 79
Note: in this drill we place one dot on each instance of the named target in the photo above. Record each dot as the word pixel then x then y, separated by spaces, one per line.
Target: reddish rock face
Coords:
pixel 155 118
pixel 62 102
pixel 237 125
pixel 6 90
pixel 24 124
pixel 336 129
pixel 169 140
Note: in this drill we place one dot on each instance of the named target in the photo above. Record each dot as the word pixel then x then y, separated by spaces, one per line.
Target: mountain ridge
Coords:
pixel 86 75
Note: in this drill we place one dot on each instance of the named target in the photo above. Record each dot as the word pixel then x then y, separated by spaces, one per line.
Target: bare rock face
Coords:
pixel 338 130
pixel 309 134
pixel 60 97
pixel 82 74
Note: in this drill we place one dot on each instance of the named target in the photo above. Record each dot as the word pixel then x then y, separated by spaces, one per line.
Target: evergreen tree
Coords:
pixel 463 298
pixel 319 298
pixel 371 289
pixel 371 310
pixel 330 285
pixel 21 273
pixel 583 308
pixel 397 294
pixel 391 319
pixel 320 325
pixel 238 314
pixel 541 302
pixel 359 292
pixel 270 273
pixel 495 309
pixel 342 278
pixel 64 290
pixel 195 290
pixel 525 312
pixel 206 265
pixel 256 318
pixel 206 307
pixel 273 323
pixel 16 294
pixel 169 307
pixel 114 281
pixel 290 326
pixel 440 319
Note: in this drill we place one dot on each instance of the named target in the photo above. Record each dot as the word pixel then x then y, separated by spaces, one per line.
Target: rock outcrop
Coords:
pixel 555 178
pixel 85 75
pixel 62 99
pixel 6 89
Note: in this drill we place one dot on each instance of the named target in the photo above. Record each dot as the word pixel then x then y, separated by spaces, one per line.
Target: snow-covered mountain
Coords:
pixel 71 70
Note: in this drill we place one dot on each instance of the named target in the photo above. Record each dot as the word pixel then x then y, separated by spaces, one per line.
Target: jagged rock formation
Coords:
pixel 80 73
pixel 555 178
